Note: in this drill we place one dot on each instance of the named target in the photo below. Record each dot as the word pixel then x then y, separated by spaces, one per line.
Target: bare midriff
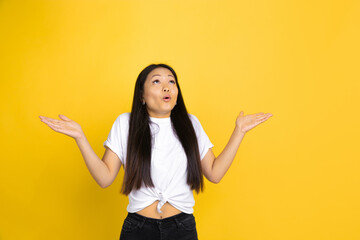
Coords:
pixel 151 212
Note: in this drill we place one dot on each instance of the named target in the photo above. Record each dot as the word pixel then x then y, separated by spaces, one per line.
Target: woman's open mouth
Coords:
pixel 167 98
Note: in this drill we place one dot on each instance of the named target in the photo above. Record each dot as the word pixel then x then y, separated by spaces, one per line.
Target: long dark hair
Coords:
pixel 138 158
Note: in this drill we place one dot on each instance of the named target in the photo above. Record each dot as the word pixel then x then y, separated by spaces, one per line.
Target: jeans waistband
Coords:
pixel 141 218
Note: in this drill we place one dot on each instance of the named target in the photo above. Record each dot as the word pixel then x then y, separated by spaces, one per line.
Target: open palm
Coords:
pixel 64 125
pixel 248 122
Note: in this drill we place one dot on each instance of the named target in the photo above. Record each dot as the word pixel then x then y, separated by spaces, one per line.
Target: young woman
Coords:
pixel 165 153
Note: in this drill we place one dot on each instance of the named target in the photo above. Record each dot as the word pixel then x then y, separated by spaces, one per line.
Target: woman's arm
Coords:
pixel 214 168
pixel 98 168
pixel 103 171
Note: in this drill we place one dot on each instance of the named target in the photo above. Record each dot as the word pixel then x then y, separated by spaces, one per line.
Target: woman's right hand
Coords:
pixel 65 126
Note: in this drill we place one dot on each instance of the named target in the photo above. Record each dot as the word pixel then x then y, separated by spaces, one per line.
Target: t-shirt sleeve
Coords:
pixel 203 140
pixel 114 139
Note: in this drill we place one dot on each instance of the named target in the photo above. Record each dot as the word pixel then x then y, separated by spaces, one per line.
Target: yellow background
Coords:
pixel 296 176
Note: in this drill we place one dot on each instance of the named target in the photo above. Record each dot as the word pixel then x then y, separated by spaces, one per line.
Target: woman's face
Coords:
pixel 160 92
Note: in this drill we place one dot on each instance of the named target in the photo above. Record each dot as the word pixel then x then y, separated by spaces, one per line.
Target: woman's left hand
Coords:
pixel 245 123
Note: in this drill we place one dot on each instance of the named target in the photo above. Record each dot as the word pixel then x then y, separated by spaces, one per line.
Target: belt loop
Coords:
pixel 177 222
pixel 142 223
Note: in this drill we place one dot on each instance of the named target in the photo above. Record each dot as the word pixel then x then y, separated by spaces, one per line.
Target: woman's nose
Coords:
pixel 166 89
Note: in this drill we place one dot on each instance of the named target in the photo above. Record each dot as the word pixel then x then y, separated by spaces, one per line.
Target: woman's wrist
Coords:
pixel 238 130
pixel 80 137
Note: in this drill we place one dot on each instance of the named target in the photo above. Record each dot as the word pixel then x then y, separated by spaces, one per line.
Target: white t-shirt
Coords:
pixel 168 163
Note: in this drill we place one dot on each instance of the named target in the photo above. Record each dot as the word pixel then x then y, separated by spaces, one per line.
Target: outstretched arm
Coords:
pixel 103 171
pixel 214 168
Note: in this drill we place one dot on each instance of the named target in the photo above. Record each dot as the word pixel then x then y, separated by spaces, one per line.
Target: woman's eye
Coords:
pixel 156 81
pixel 172 82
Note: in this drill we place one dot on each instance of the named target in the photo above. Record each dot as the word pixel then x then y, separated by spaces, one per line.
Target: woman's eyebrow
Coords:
pixel 160 75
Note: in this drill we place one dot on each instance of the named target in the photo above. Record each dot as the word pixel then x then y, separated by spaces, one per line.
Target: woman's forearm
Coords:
pixel 223 162
pixel 96 166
